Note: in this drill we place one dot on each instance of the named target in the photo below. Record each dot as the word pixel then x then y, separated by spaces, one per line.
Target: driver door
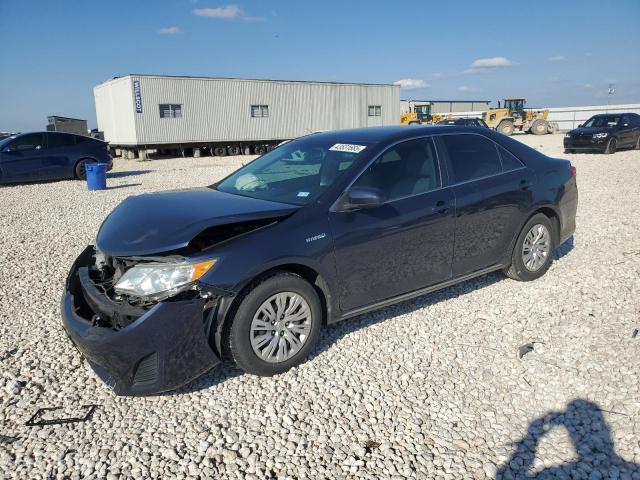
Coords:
pixel 406 243
pixel 21 159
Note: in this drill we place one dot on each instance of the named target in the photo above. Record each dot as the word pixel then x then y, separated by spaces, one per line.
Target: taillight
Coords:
pixel 572 169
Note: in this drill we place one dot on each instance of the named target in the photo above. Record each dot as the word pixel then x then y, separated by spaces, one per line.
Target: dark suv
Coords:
pixel 605 133
pixel 321 229
pixel 49 156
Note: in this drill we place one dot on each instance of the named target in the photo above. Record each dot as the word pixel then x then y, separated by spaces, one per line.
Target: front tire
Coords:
pixel 506 127
pixel 276 325
pixel 531 257
pixel 612 145
pixel 539 127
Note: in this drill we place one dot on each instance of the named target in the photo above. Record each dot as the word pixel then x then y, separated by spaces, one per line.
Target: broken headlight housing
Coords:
pixel 151 281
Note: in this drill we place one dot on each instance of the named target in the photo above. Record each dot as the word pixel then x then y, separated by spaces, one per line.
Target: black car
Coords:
pixel 322 228
pixel 30 157
pixel 605 133
pixel 468 121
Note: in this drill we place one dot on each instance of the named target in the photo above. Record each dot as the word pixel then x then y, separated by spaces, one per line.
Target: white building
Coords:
pixel 228 115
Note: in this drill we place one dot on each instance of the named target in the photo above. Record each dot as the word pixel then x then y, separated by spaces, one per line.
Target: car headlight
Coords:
pixel 153 280
pixel 600 135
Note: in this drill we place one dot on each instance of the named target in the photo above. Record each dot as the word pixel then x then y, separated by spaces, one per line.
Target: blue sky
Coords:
pixel 560 53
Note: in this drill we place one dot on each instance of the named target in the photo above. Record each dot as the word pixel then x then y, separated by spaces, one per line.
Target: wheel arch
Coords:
pixel 229 305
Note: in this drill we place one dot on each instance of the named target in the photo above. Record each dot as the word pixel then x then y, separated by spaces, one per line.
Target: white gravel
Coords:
pixel 431 388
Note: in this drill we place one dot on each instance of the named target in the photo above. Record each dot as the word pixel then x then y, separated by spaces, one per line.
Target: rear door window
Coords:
pixel 471 156
pixel 55 140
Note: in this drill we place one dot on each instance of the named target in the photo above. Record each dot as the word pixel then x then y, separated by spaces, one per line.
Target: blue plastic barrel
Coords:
pixel 96 176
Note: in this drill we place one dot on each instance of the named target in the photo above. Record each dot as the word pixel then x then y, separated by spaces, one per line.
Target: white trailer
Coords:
pixel 220 116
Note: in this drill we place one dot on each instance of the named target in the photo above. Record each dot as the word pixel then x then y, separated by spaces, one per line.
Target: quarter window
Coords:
pixel 509 160
pixel 407 169
pixel 471 157
pixel 375 110
pixel 258 111
pixel 170 110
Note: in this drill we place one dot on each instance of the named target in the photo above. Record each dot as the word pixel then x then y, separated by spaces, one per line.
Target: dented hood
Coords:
pixel 160 222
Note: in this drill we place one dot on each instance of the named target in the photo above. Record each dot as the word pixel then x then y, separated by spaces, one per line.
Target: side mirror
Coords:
pixel 581 125
pixel 360 197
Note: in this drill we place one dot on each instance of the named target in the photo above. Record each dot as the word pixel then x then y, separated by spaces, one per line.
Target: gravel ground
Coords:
pixel 431 388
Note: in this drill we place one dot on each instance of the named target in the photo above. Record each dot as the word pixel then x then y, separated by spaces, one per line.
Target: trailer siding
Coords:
pixel 219 110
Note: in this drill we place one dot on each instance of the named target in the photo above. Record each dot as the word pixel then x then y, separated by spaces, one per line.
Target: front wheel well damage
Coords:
pixel 225 316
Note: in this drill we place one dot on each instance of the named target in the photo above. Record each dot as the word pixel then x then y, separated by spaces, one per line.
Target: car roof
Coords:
pixel 391 134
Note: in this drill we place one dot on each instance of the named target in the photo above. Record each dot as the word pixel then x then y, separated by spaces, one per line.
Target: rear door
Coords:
pixel 406 243
pixel 21 159
pixel 628 133
pixel 493 193
pixel 58 158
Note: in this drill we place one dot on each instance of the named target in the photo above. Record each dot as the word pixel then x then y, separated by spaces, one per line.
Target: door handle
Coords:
pixel 525 184
pixel 441 207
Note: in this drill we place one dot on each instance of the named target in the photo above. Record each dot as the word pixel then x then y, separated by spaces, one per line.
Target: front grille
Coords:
pixel 147 371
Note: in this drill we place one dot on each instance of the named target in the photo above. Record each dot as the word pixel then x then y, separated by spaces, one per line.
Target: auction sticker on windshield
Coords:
pixel 347 147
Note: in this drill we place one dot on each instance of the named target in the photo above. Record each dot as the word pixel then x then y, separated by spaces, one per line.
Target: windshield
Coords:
pixel 602 121
pixel 5 141
pixel 296 172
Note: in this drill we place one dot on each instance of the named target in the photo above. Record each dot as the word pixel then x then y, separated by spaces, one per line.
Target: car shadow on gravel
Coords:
pixel 127 173
pixel 592 441
pixel 124 185
pixel 330 335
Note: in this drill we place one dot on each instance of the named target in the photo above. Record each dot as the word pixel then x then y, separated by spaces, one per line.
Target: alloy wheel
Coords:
pixel 280 327
pixel 536 247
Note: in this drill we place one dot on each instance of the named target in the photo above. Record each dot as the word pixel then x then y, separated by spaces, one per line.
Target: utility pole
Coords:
pixel 610 93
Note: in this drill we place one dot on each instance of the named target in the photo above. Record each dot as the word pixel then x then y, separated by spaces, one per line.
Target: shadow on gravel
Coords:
pixel 215 376
pixel 115 187
pixel 591 438
pixel 330 335
pixel 129 173
pixel 333 333
pixel 564 249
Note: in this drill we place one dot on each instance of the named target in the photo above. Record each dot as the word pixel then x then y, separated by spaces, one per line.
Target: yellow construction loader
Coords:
pixel 512 116
pixel 421 115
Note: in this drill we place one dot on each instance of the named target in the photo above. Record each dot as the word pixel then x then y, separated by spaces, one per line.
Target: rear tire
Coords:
pixel 569 150
pixel 79 170
pixel 539 127
pixel 612 145
pixel 260 319
pixel 259 149
pixel 506 127
pixel 220 151
pixel 234 150
pixel 533 251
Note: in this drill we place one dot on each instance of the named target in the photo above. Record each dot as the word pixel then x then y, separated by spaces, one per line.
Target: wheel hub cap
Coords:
pixel 536 247
pixel 280 327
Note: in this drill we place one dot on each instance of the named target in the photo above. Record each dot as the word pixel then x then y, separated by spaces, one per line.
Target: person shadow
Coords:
pixel 591 437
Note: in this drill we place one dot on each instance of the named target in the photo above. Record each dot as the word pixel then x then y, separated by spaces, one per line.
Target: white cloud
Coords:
pixel 464 88
pixel 488 64
pixel 228 12
pixel 411 84
pixel 557 58
pixel 169 30
pixel 587 86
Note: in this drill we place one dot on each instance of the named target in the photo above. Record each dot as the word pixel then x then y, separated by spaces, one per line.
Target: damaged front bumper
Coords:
pixel 163 348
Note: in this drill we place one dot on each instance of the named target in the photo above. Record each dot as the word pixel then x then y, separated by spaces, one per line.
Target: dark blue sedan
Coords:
pixel 31 157
pixel 321 229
